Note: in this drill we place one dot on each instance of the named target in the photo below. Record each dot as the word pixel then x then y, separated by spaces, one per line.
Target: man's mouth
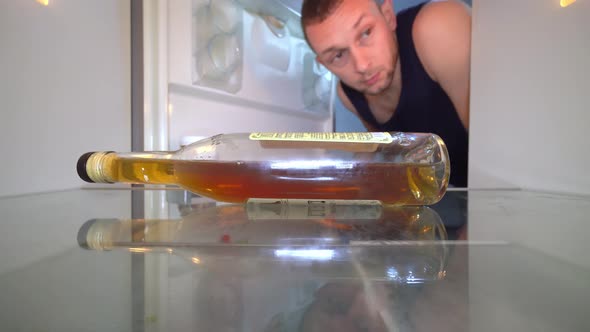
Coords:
pixel 373 79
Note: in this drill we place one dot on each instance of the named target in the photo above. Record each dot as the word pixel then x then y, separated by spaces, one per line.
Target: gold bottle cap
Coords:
pixel 91 168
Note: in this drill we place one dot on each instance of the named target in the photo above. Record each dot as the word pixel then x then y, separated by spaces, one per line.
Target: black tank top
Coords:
pixel 423 105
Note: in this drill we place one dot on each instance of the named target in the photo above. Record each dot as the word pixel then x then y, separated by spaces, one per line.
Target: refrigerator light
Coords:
pixel 43 2
pixel 565 3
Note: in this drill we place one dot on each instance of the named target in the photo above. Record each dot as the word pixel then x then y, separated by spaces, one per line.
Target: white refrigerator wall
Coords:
pixel 529 95
pixel 65 89
pixel 269 99
pixel 36 278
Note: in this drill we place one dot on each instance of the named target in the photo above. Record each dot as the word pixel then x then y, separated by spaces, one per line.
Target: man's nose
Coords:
pixel 362 61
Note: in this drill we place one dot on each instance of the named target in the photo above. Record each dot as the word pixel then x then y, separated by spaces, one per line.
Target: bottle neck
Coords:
pixel 131 167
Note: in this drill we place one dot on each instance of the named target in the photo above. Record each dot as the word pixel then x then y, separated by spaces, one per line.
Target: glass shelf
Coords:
pixel 164 259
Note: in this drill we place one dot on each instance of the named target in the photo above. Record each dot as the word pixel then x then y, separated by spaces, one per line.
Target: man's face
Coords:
pixel 356 43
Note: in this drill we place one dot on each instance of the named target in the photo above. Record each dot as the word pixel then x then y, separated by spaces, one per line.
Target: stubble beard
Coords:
pixel 387 81
pixel 382 86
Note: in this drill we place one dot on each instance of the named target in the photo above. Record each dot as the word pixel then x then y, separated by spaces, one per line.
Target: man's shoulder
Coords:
pixel 435 17
pixel 440 30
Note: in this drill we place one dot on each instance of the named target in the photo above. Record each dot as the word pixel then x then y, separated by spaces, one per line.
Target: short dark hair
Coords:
pixel 316 11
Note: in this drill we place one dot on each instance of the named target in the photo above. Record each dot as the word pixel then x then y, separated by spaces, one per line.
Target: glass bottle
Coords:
pixel 394 168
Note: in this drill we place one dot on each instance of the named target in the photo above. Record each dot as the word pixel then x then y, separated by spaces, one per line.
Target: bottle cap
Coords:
pixel 90 167
pixel 81 167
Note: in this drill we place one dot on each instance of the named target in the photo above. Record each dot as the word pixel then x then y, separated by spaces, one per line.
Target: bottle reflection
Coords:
pixel 329 239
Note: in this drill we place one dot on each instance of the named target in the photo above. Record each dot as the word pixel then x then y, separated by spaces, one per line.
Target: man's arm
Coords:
pixel 442 36
pixel 348 104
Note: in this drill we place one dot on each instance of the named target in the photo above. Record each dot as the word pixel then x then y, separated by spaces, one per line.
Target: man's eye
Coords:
pixel 366 33
pixel 337 56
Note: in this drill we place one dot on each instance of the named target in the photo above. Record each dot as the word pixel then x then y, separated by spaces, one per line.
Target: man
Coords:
pixel 408 72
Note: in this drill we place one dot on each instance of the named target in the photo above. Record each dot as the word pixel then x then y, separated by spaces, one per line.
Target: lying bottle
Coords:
pixel 394 168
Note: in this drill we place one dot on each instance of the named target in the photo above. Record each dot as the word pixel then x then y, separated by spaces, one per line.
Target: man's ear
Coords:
pixel 389 14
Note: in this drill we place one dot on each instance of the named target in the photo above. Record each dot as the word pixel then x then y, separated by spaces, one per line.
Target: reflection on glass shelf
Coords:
pixel 310 254
pixel 350 240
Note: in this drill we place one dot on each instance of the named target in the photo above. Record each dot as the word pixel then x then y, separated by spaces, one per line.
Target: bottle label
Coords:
pixel 265 209
pixel 352 142
pixel 363 137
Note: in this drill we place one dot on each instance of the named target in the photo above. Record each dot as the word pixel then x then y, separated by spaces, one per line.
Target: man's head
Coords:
pixel 354 39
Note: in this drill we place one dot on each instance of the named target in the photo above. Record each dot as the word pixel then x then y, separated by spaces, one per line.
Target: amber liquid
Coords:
pixel 238 181
pixel 139 170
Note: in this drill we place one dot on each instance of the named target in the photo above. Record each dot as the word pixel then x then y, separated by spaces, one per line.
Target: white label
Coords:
pixel 365 137
pixel 264 209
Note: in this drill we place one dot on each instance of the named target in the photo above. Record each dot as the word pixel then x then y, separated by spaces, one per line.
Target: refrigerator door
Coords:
pixel 230 68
